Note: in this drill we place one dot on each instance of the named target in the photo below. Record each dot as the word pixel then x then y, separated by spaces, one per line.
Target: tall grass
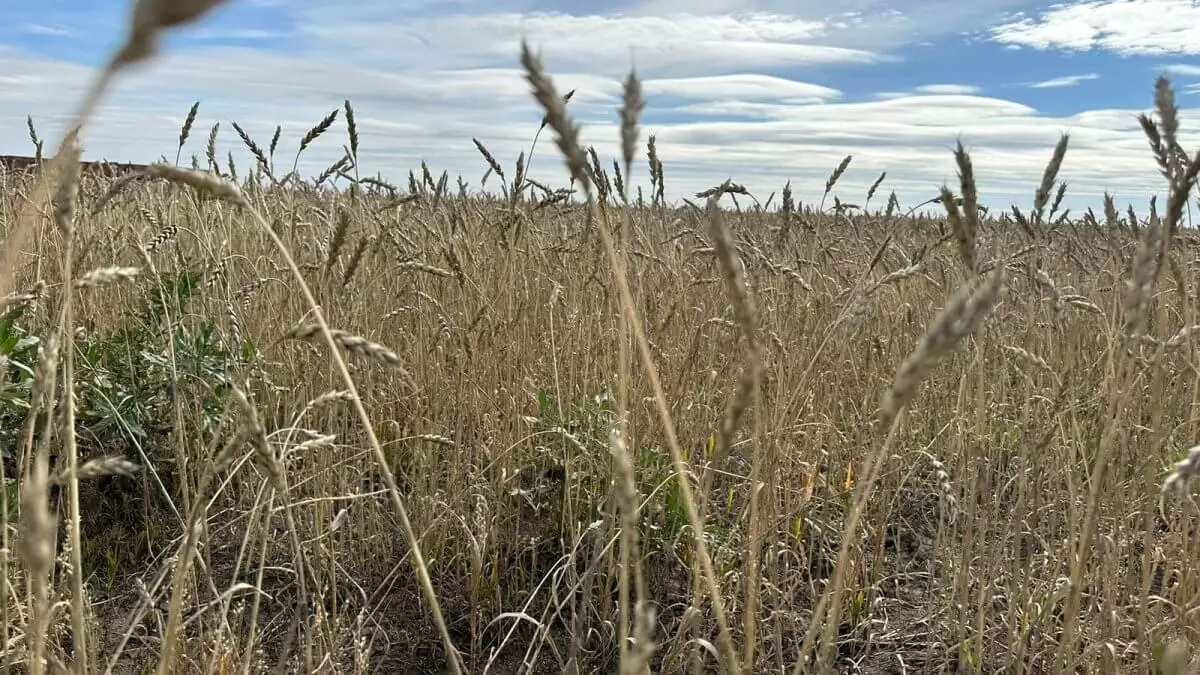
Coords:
pixel 261 422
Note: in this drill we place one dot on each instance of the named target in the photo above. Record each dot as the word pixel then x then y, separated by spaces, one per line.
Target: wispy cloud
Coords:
pixel 947 89
pixel 764 97
pixel 877 25
pixel 1065 81
pixel 1130 27
pixel 45 30
pixel 404 120
pixel 745 87
pixel 669 45
pixel 931 90
pixel 236 35
pixel 1182 69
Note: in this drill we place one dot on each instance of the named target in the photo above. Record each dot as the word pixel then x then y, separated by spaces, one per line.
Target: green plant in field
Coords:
pixel 579 432
pixel 128 381
pixel 133 375
pixel 587 419
pixel 567 443
pixel 132 379
pixel 664 518
pixel 18 347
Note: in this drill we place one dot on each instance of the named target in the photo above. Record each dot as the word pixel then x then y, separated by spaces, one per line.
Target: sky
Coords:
pixel 760 91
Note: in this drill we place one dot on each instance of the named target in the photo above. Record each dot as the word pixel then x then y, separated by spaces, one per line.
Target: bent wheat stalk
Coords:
pixel 567 140
pixel 961 317
pixel 230 191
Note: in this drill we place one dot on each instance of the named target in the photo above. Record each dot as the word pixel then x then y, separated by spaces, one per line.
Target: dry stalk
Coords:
pixel 106 275
pixel 556 117
pixel 960 318
pixel 1154 247
pixel 744 310
pixel 229 191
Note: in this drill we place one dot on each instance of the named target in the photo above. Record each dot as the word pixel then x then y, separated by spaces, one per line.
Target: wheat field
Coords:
pixel 332 424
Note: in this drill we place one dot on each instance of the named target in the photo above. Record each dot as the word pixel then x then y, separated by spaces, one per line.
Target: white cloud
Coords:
pixel 421 92
pixel 876 25
pixel 1182 69
pixel 660 46
pixel 931 90
pixel 1065 81
pixel 240 34
pixel 741 87
pixel 949 89
pixel 1130 27
pixel 44 30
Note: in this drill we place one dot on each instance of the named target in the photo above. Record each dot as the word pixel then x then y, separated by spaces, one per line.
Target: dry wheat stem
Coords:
pixel 708 574
pixel 38 525
pixel 106 275
pixel 65 207
pixel 744 309
pixel 961 317
pixel 101 467
pixel 368 428
pixel 5 519
pixel 1147 266
pixel 626 484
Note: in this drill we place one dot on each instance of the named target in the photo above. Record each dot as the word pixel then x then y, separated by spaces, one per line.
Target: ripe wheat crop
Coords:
pixel 326 424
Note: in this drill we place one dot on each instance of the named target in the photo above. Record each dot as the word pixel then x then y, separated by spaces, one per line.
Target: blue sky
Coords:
pixel 763 91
